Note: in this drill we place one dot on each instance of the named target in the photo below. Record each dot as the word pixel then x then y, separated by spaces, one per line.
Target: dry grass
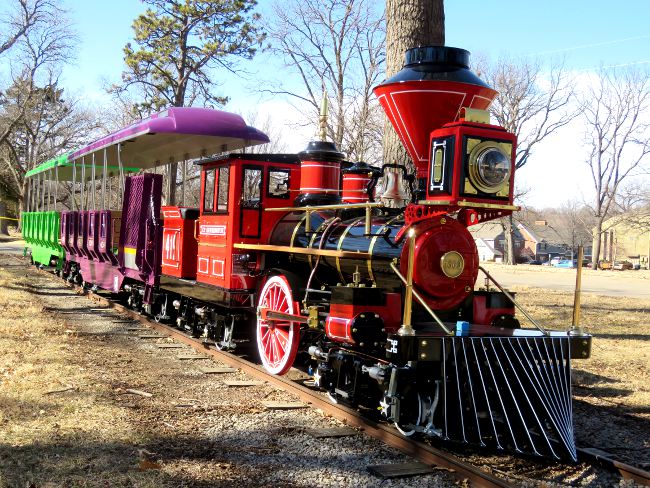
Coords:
pixel 619 367
pixel 89 435
pixel 47 438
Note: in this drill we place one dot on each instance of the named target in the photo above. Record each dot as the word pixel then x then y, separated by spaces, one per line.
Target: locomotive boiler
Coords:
pixel 368 277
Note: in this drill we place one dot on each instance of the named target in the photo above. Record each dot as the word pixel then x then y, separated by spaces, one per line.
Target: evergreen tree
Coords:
pixel 177 46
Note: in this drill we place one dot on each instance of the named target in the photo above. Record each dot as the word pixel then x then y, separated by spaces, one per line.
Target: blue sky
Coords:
pixel 586 34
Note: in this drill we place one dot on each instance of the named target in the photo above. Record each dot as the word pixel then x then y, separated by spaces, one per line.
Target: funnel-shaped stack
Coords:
pixel 429 92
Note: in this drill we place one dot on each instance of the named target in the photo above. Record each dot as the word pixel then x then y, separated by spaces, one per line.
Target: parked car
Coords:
pixel 555 260
pixel 567 263
pixel 622 265
pixel 534 262
pixel 604 265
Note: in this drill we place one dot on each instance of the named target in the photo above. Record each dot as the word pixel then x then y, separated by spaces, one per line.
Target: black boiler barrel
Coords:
pixel 330 233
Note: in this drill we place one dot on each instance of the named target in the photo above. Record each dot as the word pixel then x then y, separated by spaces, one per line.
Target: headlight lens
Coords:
pixel 493 167
pixel 489 167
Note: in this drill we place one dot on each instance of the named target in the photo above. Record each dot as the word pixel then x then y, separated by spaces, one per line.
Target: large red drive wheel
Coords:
pixel 277 341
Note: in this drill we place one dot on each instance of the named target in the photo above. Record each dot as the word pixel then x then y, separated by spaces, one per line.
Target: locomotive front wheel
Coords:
pixel 277 340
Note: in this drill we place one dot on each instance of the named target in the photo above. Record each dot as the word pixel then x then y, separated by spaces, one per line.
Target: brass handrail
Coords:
pixel 339 206
pixel 512 299
pixel 422 301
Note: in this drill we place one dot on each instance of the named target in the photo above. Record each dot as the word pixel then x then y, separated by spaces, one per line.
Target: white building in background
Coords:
pixel 486 250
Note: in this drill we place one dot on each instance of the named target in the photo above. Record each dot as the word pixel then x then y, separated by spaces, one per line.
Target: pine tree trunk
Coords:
pixel 409 23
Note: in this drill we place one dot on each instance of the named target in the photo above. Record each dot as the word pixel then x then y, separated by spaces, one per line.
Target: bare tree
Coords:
pixel 337 46
pixel 35 123
pixel 532 104
pixel 25 15
pixel 573 222
pixel 41 38
pixel 618 137
pixel 409 23
pixel 50 125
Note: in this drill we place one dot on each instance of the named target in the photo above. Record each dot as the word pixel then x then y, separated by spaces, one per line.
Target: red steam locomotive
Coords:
pixel 376 290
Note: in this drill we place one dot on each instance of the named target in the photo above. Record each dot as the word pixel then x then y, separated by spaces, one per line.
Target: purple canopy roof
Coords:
pixel 173 135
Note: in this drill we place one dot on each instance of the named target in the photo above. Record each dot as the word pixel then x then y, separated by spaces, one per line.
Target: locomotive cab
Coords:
pixel 235 190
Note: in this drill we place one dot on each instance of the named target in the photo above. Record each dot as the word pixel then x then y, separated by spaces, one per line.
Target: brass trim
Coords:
pixel 368 227
pixel 273 315
pixel 325 222
pixel 475 115
pixel 575 323
pixel 340 243
pixel 422 301
pixel 209 244
pixel 495 206
pixel 474 175
pixel 407 329
pixel 295 231
pixel 371 275
pixel 465 203
pixel 338 206
pixel 435 202
pixel 302 250
pixel 452 264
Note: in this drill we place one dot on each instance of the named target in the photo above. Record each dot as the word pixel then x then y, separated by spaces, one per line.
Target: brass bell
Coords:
pixel 394 194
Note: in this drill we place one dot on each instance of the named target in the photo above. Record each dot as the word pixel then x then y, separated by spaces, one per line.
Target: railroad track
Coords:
pixel 383 432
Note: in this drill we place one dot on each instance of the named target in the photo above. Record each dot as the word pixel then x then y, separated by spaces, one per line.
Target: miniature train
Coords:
pixel 299 254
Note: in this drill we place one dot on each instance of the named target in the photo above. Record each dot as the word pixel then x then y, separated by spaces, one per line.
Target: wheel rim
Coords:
pixel 277 342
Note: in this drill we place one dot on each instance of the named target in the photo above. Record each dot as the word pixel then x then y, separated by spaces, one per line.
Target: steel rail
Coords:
pixel 627 472
pixel 385 433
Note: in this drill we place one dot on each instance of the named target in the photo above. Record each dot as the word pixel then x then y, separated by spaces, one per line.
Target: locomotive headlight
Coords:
pixel 489 167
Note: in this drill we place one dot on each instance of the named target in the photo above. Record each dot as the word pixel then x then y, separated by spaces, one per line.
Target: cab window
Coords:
pixel 222 192
pixel 251 188
pixel 208 191
pixel 215 193
pixel 278 183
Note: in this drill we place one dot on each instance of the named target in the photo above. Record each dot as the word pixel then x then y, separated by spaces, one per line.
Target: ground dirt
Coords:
pixel 67 417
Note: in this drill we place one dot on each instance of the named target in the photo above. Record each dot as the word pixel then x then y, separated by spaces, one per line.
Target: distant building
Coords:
pixel 626 238
pixel 486 250
pixel 543 241
pixel 536 240
pixel 490 241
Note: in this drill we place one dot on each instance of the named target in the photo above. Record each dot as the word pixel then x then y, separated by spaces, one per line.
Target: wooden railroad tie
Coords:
pixel 217 370
pixel 170 346
pixel 187 357
pixel 400 470
pixel 284 405
pixel 239 383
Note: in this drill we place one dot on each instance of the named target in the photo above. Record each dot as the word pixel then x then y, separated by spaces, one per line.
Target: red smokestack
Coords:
pixel 429 91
